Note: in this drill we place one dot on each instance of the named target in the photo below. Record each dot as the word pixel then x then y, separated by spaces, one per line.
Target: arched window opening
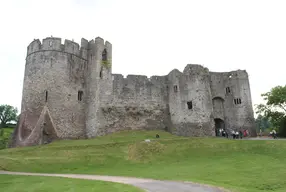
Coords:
pixel 104 55
pixel 79 95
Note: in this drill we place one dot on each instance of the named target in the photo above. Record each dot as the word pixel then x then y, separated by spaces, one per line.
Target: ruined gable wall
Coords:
pixel 58 69
pixel 236 116
pixel 193 85
pixel 136 103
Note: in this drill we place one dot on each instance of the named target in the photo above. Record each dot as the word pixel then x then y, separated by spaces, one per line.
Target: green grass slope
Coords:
pixel 240 165
pixel 9 183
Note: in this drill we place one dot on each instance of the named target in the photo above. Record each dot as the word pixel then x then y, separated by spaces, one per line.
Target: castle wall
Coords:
pixel 193 85
pixel 58 71
pixel 231 86
pixel 137 103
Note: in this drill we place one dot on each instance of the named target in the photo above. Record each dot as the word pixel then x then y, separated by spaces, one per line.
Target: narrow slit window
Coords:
pixel 100 73
pixel 79 96
pixel 190 104
pixel 235 101
pixel 46 96
pixel 175 88
pixel 104 55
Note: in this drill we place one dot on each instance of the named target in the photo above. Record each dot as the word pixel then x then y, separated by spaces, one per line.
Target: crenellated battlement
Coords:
pixel 139 78
pixel 237 74
pixel 55 44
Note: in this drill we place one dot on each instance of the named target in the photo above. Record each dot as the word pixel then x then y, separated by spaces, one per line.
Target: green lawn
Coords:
pixel 240 165
pixel 9 183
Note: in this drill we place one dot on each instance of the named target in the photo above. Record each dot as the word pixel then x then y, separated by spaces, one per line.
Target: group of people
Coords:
pixel 234 134
pixel 272 133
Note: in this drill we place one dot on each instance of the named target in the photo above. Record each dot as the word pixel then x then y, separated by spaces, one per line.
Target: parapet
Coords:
pixel 136 77
pixel 98 42
pixel 131 79
pixel 54 44
pixel 240 74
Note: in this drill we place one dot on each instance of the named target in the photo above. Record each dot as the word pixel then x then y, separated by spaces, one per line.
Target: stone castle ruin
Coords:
pixel 69 92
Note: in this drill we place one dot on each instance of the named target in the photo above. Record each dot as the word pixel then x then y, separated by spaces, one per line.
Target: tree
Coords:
pixel 263 122
pixel 275 108
pixel 8 113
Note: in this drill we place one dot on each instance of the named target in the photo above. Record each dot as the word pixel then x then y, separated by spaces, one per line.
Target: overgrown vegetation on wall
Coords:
pixel 106 64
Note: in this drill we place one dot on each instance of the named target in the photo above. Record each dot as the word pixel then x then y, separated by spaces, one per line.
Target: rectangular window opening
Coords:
pixel 79 96
pixel 227 90
pixel 175 88
pixel 237 101
pixel 190 104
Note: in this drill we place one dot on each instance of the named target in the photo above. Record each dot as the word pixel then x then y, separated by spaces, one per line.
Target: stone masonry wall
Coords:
pixel 191 86
pixel 136 103
pixel 231 86
pixel 54 73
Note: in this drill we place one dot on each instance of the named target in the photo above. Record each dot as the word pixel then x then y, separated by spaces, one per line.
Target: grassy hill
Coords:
pixel 240 165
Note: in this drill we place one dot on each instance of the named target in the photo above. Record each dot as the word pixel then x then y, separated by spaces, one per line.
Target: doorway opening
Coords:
pixel 219 126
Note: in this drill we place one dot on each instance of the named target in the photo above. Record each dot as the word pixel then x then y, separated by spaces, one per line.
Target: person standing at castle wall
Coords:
pixel 240 134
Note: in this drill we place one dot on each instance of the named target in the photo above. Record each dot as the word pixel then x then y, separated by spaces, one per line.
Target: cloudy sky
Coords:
pixel 152 37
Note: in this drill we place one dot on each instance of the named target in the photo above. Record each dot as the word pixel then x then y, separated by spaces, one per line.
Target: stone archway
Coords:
pixel 219 124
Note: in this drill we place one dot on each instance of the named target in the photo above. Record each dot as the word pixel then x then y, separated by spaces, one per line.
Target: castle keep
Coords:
pixel 69 92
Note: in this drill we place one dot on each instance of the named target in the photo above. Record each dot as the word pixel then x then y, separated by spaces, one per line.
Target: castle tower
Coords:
pixel 52 106
pixel 232 101
pixel 99 83
pixel 190 101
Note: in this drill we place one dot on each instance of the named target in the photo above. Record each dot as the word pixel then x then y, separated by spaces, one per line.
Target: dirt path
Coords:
pixel 148 185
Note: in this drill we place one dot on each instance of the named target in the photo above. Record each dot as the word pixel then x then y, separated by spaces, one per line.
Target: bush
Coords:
pixel 5 135
pixel 4 142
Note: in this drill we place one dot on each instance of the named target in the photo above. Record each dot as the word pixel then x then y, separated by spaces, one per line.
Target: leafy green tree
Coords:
pixel 8 114
pixel 263 122
pixel 275 108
